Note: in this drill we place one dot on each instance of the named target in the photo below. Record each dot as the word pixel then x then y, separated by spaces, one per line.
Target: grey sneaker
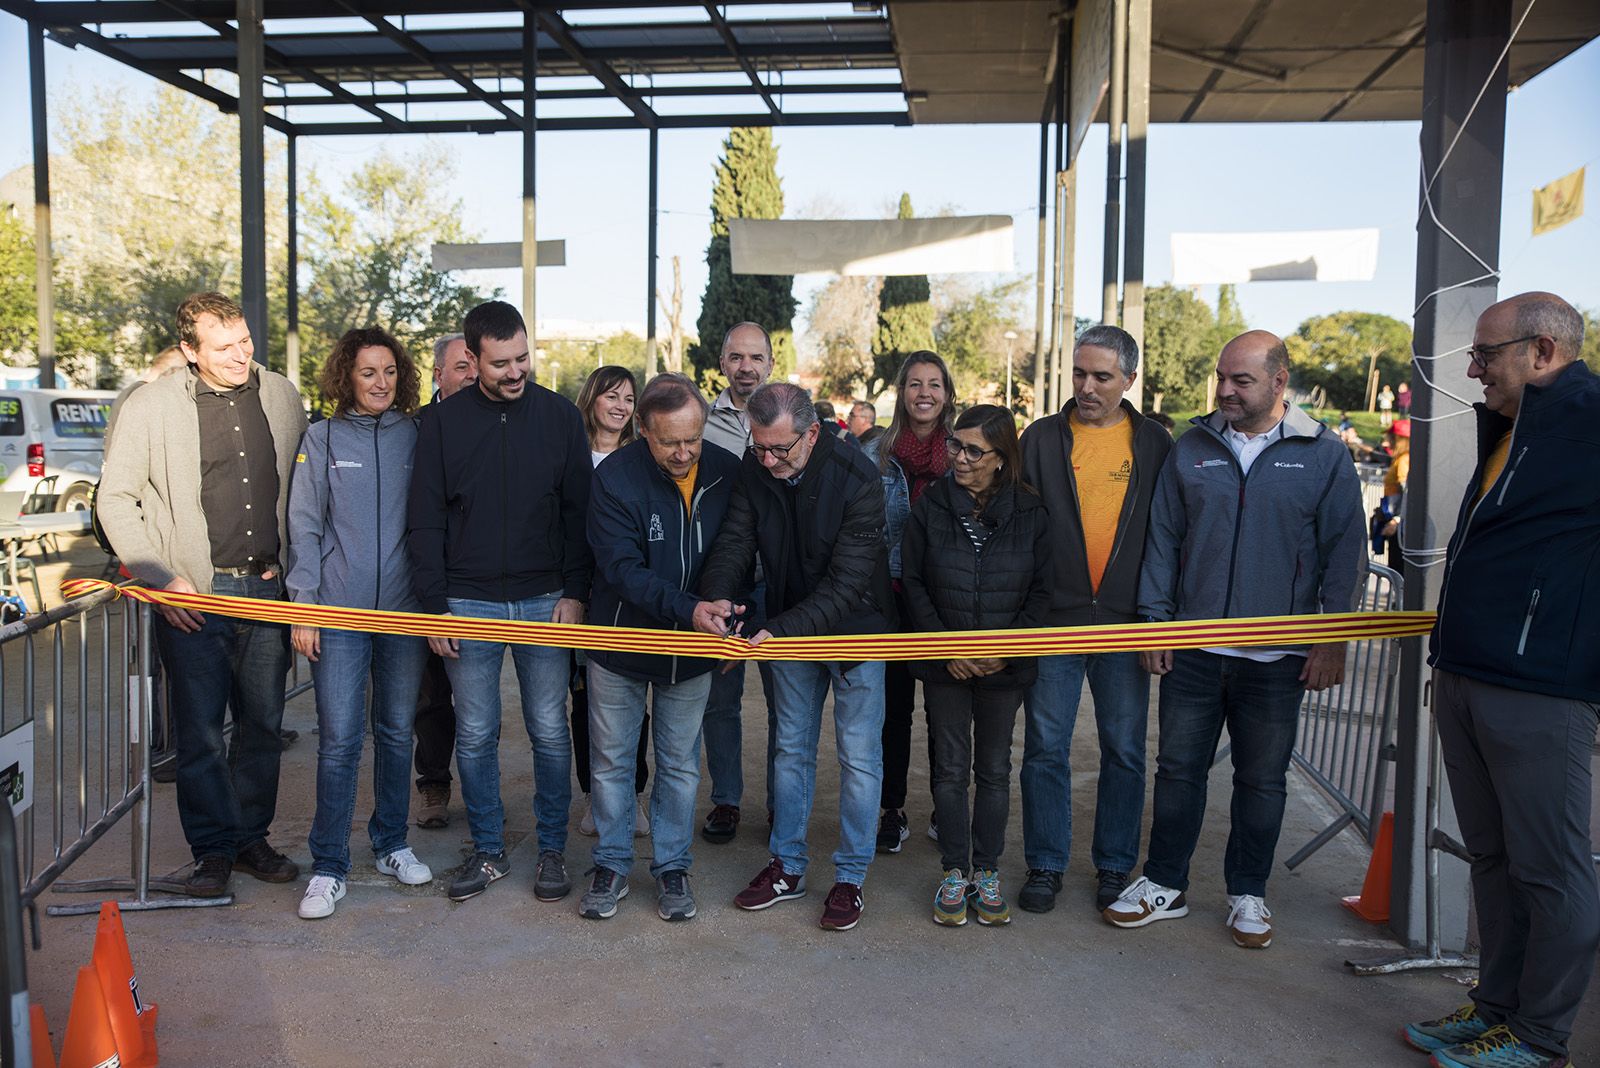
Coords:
pixel 550 879
pixel 674 901
pixel 600 902
pixel 476 875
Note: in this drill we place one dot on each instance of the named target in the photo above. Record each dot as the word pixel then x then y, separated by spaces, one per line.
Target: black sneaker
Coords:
pixel 476 875
pixel 210 876
pixel 1039 892
pixel 722 823
pixel 265 863
pixel 1109 886
pixel 892 830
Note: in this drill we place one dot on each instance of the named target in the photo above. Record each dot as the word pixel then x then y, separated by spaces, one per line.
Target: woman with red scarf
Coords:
pixel 911 456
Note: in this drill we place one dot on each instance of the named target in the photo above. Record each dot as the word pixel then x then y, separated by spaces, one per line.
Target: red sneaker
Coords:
pixel 842 910
pixel 770 886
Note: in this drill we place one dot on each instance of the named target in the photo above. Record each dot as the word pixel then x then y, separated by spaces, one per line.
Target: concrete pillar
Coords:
pixel 1116 104
pixel 252 175
pixel 1067 209
pixel 44 286
pixel 1041 348
pixel 530 214
pixel 1464 42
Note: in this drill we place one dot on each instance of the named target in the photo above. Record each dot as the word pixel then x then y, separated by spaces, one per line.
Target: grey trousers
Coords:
pixel 1519 771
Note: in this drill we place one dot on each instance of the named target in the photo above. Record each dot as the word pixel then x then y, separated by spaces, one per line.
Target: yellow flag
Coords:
pixel 1558 203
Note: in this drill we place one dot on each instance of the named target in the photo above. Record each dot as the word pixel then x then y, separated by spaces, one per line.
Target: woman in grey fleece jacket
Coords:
pixel 347 547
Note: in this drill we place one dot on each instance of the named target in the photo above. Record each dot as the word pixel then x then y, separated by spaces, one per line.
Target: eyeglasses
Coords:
pixel 1482 354
pixel 956 447
pixel 781 452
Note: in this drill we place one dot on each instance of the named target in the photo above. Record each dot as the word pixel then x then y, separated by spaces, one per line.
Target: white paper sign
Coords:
pixel 16 768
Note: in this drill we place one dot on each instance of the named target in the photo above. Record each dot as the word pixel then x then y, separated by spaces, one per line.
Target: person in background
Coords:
pixel 1385 405
pixel 975 556
pixel 747 363
pixel 499 489
pixel 606 404
pixel 453 369
pixel 347 535
pixel 1397 439
pixel 910 457
pixel 1516 687
pixel 830 420
pixel 167 360
pixel 864 422
pixel 192 496
pixel 1162 420
pixel 654 513
pixel 1402 400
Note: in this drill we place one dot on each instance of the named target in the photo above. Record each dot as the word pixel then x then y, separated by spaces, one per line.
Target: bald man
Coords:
pixel 1516 686
pixel 1257 512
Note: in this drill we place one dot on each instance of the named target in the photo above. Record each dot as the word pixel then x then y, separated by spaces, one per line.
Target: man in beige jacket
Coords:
pixel 192 496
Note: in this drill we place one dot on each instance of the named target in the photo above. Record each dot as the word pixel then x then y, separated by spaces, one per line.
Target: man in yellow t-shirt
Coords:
pixel 1095 465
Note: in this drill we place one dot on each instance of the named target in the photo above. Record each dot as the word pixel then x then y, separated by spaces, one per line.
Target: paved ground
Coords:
pixel 402 976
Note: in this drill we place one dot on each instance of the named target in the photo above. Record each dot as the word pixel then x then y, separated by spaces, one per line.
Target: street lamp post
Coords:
pixel 1011 337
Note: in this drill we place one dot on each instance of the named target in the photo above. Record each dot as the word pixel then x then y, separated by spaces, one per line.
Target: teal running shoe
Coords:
pixel 950 901
pixel 1460 1027
pixel 991 908
pixel 1496 1048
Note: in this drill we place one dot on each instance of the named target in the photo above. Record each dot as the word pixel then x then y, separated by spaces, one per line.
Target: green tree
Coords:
pixel 1180 348
pixel 1336 352
pixel 839 329
pixel 1590 352
pixel 970 335
pixel 905 319
pixel 367 251
pixel 747 187
pixel 19 318
pixel 1230 317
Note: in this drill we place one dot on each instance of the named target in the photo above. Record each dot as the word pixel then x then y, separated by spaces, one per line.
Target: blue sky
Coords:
pixel 592 189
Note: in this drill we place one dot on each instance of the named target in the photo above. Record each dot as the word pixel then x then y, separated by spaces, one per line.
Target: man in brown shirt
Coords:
pixel 192 497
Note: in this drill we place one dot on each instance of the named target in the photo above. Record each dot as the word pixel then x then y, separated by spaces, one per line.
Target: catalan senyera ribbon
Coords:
pixel 943 645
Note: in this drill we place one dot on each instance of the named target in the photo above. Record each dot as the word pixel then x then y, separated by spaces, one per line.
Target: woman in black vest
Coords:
pixel 975 556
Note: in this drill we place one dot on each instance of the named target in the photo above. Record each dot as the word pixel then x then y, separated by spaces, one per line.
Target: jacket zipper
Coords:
pixel 1501 499
pixel 377 463
pixel 1527 623
pixel 505 506
pixel 1130 501
pixel 1238 515
pixel 1458 540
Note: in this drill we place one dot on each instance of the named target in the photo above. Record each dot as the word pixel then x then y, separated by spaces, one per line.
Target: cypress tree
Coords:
pixel 747 187
pixel 905 319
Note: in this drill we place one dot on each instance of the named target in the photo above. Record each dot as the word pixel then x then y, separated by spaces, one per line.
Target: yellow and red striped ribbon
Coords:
pixel 1039 641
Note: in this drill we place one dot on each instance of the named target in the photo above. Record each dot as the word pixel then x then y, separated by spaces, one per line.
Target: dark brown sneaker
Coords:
pixel 842 910
pixel 770 886
pixel 210 877
pixel 433 811
pixel 261 861
pixel 722 823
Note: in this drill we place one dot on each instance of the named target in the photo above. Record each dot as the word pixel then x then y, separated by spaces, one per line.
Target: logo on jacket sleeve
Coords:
pixel 656 533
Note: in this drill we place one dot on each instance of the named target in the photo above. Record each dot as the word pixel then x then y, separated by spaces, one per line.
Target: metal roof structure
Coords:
pixel 438 66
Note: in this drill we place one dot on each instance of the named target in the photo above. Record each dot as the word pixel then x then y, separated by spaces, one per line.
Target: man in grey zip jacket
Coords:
pixel 1257 513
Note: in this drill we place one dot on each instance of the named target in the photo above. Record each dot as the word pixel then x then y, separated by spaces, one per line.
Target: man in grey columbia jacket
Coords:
pixel 1257 513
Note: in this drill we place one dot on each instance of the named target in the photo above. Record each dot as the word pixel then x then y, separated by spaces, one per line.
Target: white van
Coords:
pixel 57 433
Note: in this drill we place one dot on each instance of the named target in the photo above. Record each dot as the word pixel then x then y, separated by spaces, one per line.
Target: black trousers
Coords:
pixel 899 709
pixel 971 730
pixel 435 726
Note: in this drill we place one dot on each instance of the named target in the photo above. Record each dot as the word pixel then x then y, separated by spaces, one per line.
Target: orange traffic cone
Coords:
pixel 90 1042
pixel 1373 904
pixel 132 1021
pixel 40 1037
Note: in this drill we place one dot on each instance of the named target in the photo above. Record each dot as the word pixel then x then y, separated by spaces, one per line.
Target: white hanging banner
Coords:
pixel 485 255
pixel 872 246
pixel 1276 256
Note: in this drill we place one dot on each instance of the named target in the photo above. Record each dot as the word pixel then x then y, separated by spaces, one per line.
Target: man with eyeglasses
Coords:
pixel 1095 465
pixel 1516 686
pixel 810 507
pixel 1257 512
pixel 746 362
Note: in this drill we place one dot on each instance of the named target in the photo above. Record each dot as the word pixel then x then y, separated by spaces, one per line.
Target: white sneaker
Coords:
pixel 322 895
pixel 1247 919
pixel 404 865
pixel 586 825
pixel 641 824
pixel 1145 902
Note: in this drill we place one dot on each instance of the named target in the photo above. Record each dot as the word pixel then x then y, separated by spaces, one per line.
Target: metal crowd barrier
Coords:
pixel 1345 742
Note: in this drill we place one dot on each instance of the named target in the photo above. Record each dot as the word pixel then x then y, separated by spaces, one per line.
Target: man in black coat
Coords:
pixel 1516 686
pixel 811 507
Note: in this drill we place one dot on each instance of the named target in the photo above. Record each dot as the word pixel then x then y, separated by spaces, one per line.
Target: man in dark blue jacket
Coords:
pixel 499 488
pixel 1516 685
pixel 654 509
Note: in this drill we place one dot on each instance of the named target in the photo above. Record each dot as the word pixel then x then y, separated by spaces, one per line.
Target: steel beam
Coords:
pixel 1041 349
pixel 422 55
pixel 252 176
pixel 1377 72
pixel 291 308
pixel 561 34
pixel 530 208
pixel 1138 99
pixel 44 283
pixel 744 64
pixel 650 256
pixel 1116 105
pixel 440 97
pixel 605 122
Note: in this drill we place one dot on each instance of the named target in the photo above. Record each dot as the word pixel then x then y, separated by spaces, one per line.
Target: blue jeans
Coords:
pixel 347 658
pixel 724 726
pixel 1260 704
pixel 799 688
pixel 1121 691
pixel 226 800
pixel 616 714
pixel 542 674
